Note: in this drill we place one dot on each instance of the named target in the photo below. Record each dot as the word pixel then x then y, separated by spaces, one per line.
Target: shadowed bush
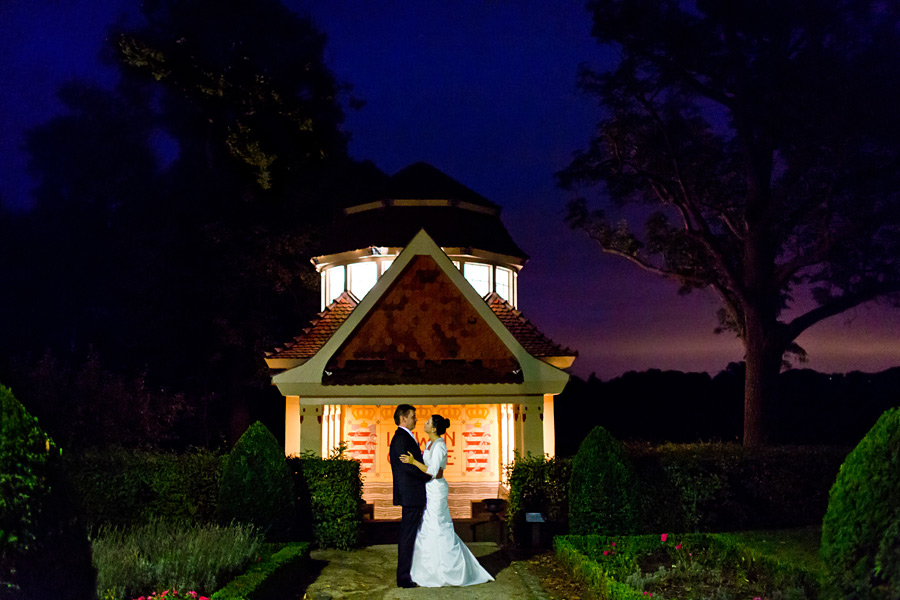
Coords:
pixel 256 486
pixel 123 487
pixel 44 549
pixel 329 495
pixel 861 529
pixel 601 489
pixel 537 484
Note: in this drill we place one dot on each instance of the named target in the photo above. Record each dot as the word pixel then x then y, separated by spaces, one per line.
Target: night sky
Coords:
pixel 484 91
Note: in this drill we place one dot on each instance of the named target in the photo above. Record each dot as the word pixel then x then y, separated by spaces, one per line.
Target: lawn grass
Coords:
pixel 798 547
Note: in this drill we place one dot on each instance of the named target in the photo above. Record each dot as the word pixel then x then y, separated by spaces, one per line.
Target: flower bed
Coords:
pixel 681 566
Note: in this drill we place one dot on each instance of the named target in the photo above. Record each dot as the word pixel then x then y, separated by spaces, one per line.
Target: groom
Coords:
pixel 409 490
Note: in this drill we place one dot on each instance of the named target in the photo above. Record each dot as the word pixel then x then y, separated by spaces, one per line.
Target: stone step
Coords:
pixel 459 500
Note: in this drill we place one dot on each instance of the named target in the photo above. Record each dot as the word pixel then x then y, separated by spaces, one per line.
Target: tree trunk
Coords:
pixel 763 357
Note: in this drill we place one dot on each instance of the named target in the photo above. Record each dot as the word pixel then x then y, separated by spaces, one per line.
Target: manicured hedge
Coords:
pixel 601 489
pixel 256 486
pixel 123 487
pixel 610 564
pixel 861 530
pixel 537 484
pixel 726 487
pixel 695 487
pixel 328 497
pixel 268 578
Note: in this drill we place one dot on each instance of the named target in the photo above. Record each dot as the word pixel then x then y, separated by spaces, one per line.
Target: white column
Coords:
pixel 291 425
pixel 549 426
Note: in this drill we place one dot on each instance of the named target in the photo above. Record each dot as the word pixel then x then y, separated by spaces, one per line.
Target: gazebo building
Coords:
pixel 419 303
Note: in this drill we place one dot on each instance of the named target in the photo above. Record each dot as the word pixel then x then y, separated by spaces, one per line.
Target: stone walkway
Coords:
pixel 370 572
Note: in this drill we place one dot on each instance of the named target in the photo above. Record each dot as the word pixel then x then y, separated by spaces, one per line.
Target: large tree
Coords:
pixel 761 138
pixel 175 214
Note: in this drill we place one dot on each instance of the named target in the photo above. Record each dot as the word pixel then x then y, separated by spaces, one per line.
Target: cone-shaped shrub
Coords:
pixel 256 486
pixel 601 488
pixel 44 549
pixel 861 530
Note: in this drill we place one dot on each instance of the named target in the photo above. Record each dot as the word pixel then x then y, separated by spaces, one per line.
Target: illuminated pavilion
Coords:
pixel 419 303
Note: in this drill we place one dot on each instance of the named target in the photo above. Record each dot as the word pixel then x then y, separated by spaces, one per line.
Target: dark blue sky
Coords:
pixel 484 91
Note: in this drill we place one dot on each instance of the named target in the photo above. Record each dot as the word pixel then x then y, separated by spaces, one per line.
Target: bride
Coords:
pixel 440 558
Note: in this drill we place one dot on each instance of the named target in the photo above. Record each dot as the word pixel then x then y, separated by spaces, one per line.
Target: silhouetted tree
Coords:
pixel 766 136
pixel 175 215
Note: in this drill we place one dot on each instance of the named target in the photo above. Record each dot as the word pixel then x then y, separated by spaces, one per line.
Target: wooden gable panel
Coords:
pixel 423 330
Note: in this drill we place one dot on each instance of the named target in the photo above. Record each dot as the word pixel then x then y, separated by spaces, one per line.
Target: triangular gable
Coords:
pixel 422 330
pixel 538 377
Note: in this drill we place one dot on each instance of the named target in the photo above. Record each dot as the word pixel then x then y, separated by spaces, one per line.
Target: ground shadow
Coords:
pixel 494 562
pixel 300 582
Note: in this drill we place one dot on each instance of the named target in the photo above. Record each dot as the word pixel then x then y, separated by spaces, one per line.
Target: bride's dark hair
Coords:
pixel 440 424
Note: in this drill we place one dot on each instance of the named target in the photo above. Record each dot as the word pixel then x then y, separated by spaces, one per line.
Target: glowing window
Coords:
pixel 504 282
pixel 479 276
pixel 385 265
pixel 334 279
pixel 362 278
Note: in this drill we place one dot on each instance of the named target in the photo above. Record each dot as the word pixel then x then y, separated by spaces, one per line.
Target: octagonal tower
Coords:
pixel 463 223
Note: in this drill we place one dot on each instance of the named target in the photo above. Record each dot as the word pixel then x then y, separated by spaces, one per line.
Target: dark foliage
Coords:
pixel 44 548
pixel 256 486
pixel 727 487
pixel 861 530
pixel 538 484
pixel 121 487
pixel 758 142
pixel 174 219
pixel 328 494
pixel 601 488
pixel 670 406
pixel 83 404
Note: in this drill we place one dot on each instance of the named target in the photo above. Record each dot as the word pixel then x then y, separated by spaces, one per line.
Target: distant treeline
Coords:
pixel 671 406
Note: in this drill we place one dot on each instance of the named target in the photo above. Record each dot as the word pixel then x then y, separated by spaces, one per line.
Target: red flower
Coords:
pixel 605 552
pixel 678 547
pixel 663 537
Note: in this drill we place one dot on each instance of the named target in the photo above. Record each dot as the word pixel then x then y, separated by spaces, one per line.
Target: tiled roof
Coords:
pixel 421 180
pixel 535 343
pixel 320 330
pixel 450 226
pixel 327 322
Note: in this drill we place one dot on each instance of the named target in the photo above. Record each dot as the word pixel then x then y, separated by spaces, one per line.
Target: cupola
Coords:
pixel 465 225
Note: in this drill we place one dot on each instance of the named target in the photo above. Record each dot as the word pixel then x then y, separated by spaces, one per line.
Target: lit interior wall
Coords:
pixel 474 439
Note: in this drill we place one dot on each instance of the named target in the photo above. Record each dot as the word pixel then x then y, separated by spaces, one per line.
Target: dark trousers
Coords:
pixel 411 517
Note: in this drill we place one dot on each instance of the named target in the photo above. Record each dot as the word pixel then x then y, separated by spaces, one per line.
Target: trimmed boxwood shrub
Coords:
pixel 538 484
pixel 269 578
pixel 861 529
pixel 44 548
pixel 256 486
pixel 601 488
pixel 328 496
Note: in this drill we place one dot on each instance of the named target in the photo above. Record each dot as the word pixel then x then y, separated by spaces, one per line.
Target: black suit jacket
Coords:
pixel 409 481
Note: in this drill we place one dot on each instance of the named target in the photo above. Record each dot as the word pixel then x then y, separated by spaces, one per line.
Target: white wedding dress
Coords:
pixel 440 557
